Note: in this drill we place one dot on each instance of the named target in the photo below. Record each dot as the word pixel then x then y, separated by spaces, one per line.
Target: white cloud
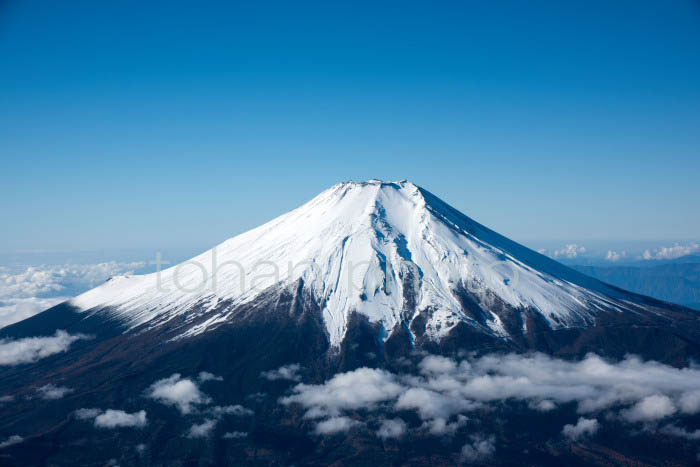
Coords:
pixel 113 418
pixel 615 256
pixel 362 388
pixel 650 409
pixel 14 310
pixel 31 349
pixel 335 425
pixel 288 372
pixel 445 390
pixel 87 414
pixel 235 435
pixel 542 406
pixel 119 419
pixel 689 402
pixel 257 396
pixel 480 448
pixel 435 365
pixel 202 430
pixel 434 405
pixel 237 410
pixel 584 427
pixel 182 393
pixel 569 251
pixel 33 289
pixel 206 376
pixel 393 428
pixel 442 427
pixel 51 392
pixel 673 252
pixel 46 279
pixel 674 430
pixel 11 441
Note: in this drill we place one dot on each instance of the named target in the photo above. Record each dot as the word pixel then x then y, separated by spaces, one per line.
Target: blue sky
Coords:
pixel 164 124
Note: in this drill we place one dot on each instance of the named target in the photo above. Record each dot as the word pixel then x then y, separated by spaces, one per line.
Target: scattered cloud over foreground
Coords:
pixel 182 393
pixel 583 427
pixel 672 252
pixel 205 429
pixel 185 395
pixel 393 428
pixel 479 448
pixel 206 376
pixel 631 390
pixel 113 418
pixel 31 349
pixel 51 392
pixel 237 410
pixel 335 425
pixel 674 430
pixel 287 372
pixel 30 290
pixel 202 430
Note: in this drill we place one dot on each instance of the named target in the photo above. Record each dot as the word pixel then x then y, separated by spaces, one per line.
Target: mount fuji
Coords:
pixel 367 275
pixel 391 252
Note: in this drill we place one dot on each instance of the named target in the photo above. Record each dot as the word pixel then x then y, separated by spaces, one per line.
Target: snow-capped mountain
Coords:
pixel 374 325
pixel 392 252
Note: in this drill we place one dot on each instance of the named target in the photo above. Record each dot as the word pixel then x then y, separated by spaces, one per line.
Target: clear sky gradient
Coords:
pixel 153 124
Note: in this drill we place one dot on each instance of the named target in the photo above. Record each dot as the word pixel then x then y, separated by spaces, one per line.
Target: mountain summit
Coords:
pixel 391 252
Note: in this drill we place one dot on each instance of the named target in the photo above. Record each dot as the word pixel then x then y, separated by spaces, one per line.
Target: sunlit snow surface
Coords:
pixel 355 246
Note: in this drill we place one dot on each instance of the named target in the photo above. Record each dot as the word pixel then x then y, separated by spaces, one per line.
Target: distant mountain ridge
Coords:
pixel 676 282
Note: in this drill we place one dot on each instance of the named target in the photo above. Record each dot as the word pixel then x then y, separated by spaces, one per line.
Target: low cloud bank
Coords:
pixel 615 255
pixel 35 281
pixel 31 349
pixel 33 289
pixel 630 390
pixel 672 252
pixel 16 309
pixel 570 251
